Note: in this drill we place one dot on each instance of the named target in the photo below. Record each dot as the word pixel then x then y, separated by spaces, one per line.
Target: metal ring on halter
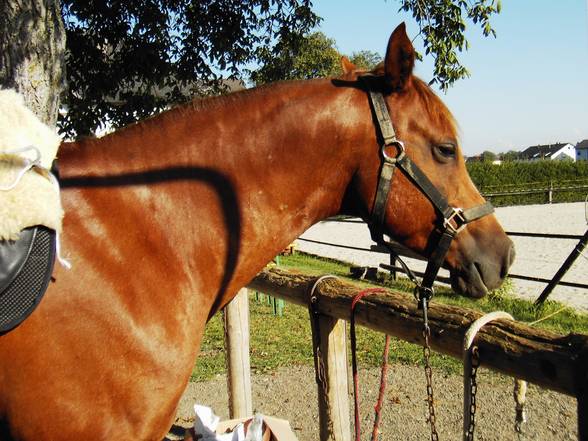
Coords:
pixel 401 151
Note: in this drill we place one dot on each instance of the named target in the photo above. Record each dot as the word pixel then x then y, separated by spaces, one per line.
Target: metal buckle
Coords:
pixel 456 213
pixel 401 151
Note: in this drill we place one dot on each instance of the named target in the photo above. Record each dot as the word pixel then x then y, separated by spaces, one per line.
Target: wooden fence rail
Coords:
pixel 553 361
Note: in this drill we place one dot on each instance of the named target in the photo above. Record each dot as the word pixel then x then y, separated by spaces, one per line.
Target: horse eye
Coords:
pixel 445 151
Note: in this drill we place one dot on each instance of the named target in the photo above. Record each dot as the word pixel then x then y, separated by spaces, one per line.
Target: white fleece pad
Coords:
pixel 35 199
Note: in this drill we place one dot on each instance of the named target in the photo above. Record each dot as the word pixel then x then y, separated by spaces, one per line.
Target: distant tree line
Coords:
pixel 488 156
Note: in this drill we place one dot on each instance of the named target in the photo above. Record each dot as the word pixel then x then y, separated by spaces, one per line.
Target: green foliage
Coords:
pixel 367 60
pixel 443 25
pixel 127 59
pixel 488 156
pixel 522 175
pixel 314 56
pixel 511 155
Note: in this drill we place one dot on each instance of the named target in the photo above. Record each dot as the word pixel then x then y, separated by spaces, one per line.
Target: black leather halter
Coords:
pixel 453 219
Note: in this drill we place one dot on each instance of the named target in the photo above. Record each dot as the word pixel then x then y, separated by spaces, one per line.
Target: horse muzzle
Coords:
pixel 483 270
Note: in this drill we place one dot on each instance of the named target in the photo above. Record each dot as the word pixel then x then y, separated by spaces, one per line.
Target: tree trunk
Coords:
pixel 32 49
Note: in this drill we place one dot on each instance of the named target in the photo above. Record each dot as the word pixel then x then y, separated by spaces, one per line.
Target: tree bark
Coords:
pixel 32 53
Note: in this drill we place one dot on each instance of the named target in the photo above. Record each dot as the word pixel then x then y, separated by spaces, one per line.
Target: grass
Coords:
pixel 285 341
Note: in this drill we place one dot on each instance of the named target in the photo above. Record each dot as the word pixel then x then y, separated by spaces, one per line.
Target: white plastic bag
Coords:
pixel 206 423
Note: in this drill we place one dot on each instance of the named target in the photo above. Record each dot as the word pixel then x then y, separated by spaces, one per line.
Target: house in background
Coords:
pixel 582 151
pixel 555 152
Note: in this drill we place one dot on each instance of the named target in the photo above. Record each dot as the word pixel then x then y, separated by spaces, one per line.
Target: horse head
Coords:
pixel 425 132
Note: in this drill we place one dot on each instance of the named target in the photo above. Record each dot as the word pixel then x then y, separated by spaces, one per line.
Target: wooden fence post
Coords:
pixel 393 272
pixel 236 322
pixel 333 387
pixel 563 269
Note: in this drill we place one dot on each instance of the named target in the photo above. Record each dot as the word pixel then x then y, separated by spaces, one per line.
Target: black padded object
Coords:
pixel 26 266
pixel 13 255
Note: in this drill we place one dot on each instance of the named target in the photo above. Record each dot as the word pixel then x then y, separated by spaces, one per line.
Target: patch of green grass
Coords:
pixel 274 342
pixel 278 341
pixel 211 360
pixel 552 316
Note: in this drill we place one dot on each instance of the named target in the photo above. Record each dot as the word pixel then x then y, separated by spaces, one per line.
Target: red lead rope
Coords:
pixel 379 404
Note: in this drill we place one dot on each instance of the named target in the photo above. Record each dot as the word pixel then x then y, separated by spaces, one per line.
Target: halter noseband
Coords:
pixel 454 219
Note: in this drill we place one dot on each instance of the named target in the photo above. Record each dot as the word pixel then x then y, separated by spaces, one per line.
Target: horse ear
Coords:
pixel 347 66
pixel 399 60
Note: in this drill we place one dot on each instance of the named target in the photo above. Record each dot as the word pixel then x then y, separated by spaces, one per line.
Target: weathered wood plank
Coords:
pixel 236 322
pixel 540 357
pixel 333 387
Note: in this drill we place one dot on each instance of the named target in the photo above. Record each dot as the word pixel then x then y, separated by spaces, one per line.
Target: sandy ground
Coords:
pixel 291 394
pixel 535 256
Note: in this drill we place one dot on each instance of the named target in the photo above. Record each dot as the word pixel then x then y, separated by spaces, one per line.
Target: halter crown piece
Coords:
pixel 453 219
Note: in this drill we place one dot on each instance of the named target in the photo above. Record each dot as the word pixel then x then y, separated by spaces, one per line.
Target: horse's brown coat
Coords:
pixel 168 218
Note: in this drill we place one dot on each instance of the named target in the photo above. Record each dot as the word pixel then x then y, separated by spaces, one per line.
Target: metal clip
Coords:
pixel 458 218
pixel 423 294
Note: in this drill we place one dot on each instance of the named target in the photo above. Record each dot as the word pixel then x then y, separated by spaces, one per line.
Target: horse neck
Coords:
pixel 264 165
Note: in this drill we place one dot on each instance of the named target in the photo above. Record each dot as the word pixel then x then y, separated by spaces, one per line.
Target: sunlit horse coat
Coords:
pixel 168 218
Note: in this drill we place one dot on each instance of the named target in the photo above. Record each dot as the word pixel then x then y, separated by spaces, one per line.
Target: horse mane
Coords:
pixel 202 104
pixel 433 105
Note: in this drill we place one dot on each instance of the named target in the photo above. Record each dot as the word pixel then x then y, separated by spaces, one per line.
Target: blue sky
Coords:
pixel 528 86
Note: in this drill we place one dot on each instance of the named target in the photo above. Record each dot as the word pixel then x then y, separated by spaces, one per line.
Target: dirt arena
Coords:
pixel 291 394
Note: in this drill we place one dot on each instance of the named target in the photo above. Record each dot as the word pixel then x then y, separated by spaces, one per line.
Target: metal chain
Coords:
pixel 429 378
pixel 475 357
pixel 321 376
pixel 319 366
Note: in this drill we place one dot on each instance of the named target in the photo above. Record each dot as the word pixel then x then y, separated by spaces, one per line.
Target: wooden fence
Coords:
pixel 406 252
pixel 553 361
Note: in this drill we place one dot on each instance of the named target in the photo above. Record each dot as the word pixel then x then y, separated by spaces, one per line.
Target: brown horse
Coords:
pixel 168 218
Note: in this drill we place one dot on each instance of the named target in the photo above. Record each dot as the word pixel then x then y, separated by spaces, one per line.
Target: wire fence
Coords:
pixel 405 252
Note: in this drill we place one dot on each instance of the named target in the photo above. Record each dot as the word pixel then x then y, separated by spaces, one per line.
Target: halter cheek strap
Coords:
pixel 453 219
